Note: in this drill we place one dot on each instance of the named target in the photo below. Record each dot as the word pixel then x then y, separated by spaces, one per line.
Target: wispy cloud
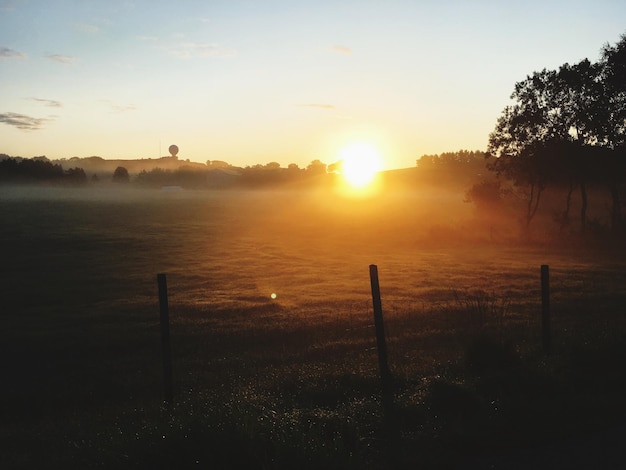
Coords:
pixel 122 108
pixel 87 28
pixel 6 53
pixel 341 49
pixel 62 59
pixel 190 50
pixel 148 38
pixel 119 108
pixel 316 105
pixel 21 121
pixel 45 102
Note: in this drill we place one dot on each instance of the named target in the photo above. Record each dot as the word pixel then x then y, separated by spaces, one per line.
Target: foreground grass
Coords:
pixel 278 397
pixel 293 382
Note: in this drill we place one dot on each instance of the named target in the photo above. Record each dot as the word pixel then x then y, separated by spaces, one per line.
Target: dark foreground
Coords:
pixel 293 382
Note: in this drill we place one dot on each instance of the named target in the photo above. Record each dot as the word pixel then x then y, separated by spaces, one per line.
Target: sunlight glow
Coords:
pixel 360 163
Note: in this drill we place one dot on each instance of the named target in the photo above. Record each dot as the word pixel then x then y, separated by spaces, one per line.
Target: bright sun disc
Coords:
pixel 360 163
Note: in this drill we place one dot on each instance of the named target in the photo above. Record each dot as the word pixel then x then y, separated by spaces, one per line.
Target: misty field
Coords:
pixel 293 381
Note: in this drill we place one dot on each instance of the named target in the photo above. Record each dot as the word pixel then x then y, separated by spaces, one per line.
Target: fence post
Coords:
pixel 385 374
pixel 545 309
pixel 165 339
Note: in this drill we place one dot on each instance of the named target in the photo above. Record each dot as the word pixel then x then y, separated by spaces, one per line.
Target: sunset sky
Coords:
pixel 287 81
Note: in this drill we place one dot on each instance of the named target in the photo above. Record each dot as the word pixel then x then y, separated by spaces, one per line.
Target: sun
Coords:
pixel 360 163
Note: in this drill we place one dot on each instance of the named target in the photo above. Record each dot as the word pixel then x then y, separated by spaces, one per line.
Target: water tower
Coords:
pixel 173 150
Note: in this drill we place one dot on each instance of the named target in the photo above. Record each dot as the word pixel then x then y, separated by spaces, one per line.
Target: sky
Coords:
pixel 259 81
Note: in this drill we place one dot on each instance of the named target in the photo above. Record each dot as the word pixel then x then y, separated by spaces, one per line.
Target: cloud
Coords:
pixel 87 28
pixel 190 50
pixel 341 49
pixel 119 108
pixel 62 59
pixel 122 108
pixel 316 105
pixel 49 103
pixel 21 121
pixel 6 53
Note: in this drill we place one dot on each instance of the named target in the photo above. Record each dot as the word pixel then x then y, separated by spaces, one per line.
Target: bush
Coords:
pixel 485 194
pixel 120 175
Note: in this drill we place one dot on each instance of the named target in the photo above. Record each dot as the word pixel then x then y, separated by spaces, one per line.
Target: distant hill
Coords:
pixel 105 168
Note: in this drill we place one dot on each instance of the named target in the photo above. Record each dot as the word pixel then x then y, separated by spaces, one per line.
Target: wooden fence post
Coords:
pixel 168 388
pixel 385 374
pixel 545 309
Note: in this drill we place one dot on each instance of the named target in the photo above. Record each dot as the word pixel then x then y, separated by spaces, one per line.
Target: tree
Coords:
pixel 613 73
pixel 76 176
pixel 613 63
pixel 547 135
pixel 316 167
pixel 27 170
pixel 293 172
pixel 522 134
pixel 120 175
pixel 581 101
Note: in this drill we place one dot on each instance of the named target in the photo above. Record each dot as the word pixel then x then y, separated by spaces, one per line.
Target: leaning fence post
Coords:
pixel 545 308
pixel 165 339
pixel 385 374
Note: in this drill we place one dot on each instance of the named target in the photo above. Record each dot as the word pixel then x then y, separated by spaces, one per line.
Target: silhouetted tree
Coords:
pixel 522 134
pixel 26 170
pixel 316 167
pixel 120 175
pixel 613 72
pixel 463 160
pixel 294 172
pixel 566 126
pixel 542 137
pixel 76 176
pixel 614 78
pixel 484 194
pixel 156 177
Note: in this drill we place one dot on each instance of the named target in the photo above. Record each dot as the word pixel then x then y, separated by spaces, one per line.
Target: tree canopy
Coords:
pixel 38 170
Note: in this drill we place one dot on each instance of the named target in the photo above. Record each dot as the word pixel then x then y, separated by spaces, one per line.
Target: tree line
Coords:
pixel 38 170
pixel 17 170
pixel 221 174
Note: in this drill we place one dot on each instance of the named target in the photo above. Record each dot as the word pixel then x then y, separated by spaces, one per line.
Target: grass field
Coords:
pixel 293 381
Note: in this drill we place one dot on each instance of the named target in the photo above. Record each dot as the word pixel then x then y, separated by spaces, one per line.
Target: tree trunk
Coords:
pixel 616 208
pixel 583 207
pixel 533 202
pixel 568 206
